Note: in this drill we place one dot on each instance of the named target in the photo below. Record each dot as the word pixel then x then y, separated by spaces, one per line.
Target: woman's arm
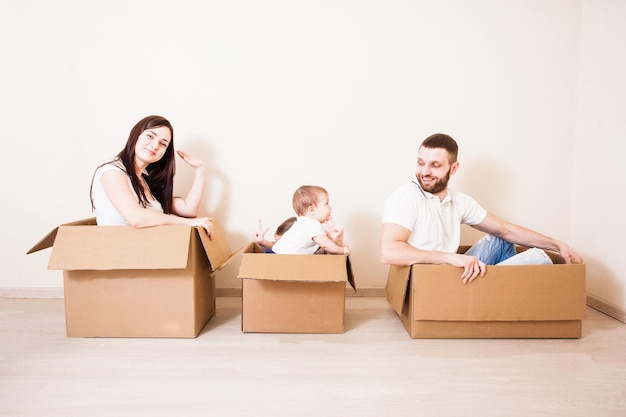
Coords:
pixel 189 206
pixel 118 191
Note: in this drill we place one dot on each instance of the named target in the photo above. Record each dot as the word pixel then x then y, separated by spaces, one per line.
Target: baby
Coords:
pixel 312 230
pixel 266 245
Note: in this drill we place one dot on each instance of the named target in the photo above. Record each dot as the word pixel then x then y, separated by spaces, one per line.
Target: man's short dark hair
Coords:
pixel 441 140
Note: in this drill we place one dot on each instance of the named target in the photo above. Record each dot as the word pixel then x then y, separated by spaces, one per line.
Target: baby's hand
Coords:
pixel 191 160
pixel 259 235
pixel 334 232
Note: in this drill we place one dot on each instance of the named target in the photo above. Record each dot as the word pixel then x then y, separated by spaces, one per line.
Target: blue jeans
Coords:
pixel 495 251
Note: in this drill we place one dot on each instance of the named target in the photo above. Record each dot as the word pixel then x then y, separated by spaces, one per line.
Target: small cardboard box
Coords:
pixel 293 293
pixel 526 301
pixel 121 281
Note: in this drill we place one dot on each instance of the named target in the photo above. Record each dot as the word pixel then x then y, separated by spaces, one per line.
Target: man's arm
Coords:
pixel 519 235
pixel 395 250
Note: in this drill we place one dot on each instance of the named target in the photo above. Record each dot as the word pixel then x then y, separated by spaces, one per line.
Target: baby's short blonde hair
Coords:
pixel 305 197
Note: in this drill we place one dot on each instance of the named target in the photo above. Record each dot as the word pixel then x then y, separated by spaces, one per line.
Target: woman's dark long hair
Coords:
pixel 160 174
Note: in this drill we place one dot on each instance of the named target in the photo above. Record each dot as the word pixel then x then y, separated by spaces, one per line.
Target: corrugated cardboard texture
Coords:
pixel 397 287
pixel 141 302
pixel 293 307
pixel 529 301
pixel 293 293
pixel 505 293
pixel 120 247
pixel 123 305
pixel 89 247
pixel 127 282
pixel 495 329
pixel 48 240
pixel 312 268
pixel 217 250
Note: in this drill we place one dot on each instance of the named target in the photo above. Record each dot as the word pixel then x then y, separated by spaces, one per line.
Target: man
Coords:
pixel 422 221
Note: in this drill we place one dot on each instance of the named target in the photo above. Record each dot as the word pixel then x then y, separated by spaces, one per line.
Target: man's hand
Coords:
pixel 472 267
pixel 569 255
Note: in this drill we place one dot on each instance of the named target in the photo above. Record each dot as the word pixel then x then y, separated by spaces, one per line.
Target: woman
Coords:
pixel 136 187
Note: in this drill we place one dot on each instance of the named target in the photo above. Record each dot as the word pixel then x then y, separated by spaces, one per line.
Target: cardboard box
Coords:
pixel 529 301
pixel 121 281
pixel 293 293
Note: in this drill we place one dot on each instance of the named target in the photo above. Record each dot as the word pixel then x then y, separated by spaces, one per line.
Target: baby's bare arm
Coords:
pixel 328 245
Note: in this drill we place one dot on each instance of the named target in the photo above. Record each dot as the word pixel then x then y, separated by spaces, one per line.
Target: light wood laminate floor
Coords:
pixel 374 369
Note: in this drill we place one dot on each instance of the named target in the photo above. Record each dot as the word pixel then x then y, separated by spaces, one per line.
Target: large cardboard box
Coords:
pixel 121 281
pixel 529 301
pixel 293 293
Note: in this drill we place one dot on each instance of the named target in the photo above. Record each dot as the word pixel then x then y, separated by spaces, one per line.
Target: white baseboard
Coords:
pixel 361 292
pixel 594 302
pixel 607 308
pixel 31 292
pixel 228 292
pixel 219 292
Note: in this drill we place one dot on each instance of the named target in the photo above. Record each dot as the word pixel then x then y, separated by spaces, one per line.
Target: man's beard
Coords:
pixel 439 185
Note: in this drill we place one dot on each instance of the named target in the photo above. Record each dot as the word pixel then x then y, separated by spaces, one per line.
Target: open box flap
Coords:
pixel 307 268
pixel 217 250
pixel 397 284
pixel 241 250
pixel 120 247
pixel 350 273
pixel 48 240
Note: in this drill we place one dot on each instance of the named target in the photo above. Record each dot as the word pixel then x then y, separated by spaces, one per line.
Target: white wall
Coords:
pixel 277 94
pixel 600 171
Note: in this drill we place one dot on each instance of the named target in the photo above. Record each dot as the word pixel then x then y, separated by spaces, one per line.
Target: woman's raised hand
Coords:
pixel 191 160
